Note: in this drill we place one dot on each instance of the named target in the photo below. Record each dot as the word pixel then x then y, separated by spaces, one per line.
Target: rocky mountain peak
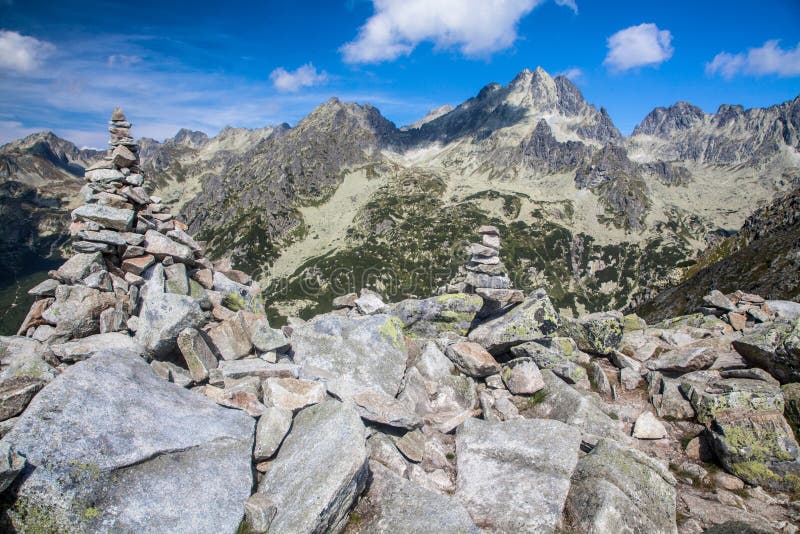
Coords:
pixel 663 121
pixel 189 138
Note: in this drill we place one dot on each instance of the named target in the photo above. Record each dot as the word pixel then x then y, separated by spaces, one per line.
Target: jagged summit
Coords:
pixel 529 97
pixel 663 121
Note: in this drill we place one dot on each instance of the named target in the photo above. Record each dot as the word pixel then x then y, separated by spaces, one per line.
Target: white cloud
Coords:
pixel 291 81
pixel 638 46
pixel 475 27
pixel 568 3
pixel 21 53
pixel 770 58
pixel 575 74
pixel 122 60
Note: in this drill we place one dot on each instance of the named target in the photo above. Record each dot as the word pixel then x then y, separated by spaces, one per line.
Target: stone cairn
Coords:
pixel 138 281
pixel 486 275
pixel 739 309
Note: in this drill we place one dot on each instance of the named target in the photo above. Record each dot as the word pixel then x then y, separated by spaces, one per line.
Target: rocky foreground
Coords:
pixel 146 391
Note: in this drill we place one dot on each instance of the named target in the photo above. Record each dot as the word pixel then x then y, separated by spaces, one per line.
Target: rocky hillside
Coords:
pixel 763 257
pixel 147 391
pixel 346 200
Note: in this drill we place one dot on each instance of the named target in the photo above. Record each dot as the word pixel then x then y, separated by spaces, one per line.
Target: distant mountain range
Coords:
pixel 345 198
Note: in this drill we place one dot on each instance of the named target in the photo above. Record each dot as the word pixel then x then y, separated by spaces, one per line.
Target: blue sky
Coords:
pixel 204 65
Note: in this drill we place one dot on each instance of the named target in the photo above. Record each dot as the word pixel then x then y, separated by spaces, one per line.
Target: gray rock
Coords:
pixel 292 394
pixel 76 311
pixel 105 216
pixel 376 406
pixel 44 289
pixel 647 426
pixel 711 397
pixel 442 402
pixel 369 304
pixel 531 320
pixel 177 279
pixel 196 353
pixel 16 392
pixel 110 436
pixel 79 267
pixel 264 337
pixel 162 318
pixel 259 511
pixel 367 351
pixel 717 299
pixel 104 175
pixel 437 315
pixel 547 358
pixel 272 427
pixel 230 339
pixel 412 445
pixel 161 246
pixel 514 476
pixel 394 504
pixel 564 403
pixel 620 489
pixel 85 348
pixel 684 359
pixel 596 333
pixel 785 309
pixel 600 379
pixel 774 347
pixel 522 377
pixel 472 359
pixel 319 472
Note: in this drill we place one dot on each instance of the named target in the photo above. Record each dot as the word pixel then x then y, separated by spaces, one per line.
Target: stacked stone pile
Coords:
pixel 486 275
pixel 148 392
pixel 739 309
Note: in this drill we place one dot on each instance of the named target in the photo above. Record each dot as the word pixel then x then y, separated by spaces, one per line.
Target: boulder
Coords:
pixel 548 358
pixel 472 359
pixel 369 304
pixel 78 267
pixel 76 311
pixel 514 476
pixel 319 472
pixel 684 360
pixel 376 406
pixel 758 447
pixel 716 395
pixel 774 347
pixel 438 315
pixel 263 337
pixel 791 397
pixel 784 309
pixel 522 377
pixel 533 319
pixel 620 489
pixel 164 315
pixel 113 447
pixel 161 246
pixel 647 426
pixel 47 288
pixel 564 403
pixel 196 353
pixel 596 333
pixel 366 351
pixel 106 216
pixel 85 348
pixel 272 427
pixel 256 367
pixel 230 339
pixel 292 394
pixel 394 504
pixel 718 300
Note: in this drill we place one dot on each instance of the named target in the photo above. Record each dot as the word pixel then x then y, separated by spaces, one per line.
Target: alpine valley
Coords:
pixel 345 199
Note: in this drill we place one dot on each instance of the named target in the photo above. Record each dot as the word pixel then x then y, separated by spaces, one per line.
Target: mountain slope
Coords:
pixel 763 258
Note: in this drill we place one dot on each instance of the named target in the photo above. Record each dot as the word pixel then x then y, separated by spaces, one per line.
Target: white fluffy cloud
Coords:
pixel 575 74
pixel 21 53
pixel 291 81
pixel 474 27
pixel 121 60
pixel 638 46
pixel 769 58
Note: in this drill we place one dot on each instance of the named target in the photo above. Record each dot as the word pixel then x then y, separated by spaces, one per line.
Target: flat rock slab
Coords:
pixel 395 504
pixel 564 403
pixel 366 351
pixel 319 472
pixel 533 319
pixel 112 447
pixel 619 489
pixel 437 315
pixel 514 476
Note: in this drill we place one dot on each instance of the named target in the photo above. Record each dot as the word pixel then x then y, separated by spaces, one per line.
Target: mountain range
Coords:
pixel 345 199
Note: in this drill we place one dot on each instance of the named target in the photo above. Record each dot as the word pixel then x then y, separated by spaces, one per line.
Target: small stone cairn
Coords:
pixel 738 309
pixel 486 275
